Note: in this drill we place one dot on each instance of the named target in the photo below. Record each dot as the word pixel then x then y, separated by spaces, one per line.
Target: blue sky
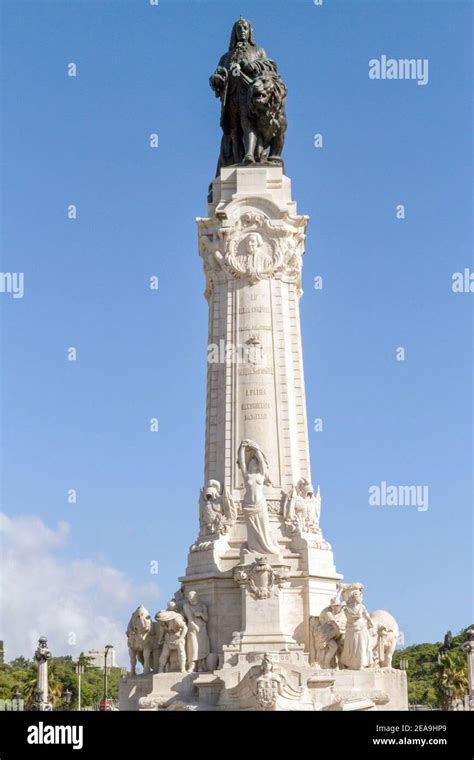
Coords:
pixel 140 353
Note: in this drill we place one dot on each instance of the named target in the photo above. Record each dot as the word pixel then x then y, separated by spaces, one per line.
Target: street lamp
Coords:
pixel 79 673
pixel 108 647
pixel 67 694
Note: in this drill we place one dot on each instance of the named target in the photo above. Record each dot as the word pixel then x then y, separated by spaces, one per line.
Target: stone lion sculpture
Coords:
pixel 266 108
pixel 143 641
pixel 384 635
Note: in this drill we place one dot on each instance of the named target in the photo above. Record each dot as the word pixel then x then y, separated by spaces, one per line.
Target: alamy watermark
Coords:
pixel 44 733
pixel 463 282
pixel 399 68
pixel 385 495
pixel 12 282
pixel 225 352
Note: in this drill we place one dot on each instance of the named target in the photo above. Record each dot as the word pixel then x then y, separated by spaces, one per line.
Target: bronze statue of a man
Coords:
pixel 253 98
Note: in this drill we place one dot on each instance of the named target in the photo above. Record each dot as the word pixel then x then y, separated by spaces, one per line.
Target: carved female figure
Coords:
pixel 357 650
pixel 254 468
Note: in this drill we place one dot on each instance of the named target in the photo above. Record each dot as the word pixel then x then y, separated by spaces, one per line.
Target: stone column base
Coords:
pixel 268 681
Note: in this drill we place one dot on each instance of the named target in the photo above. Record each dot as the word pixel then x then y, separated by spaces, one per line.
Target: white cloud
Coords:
pixel 79 605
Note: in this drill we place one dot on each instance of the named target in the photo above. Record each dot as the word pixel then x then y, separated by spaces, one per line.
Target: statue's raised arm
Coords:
pixel 241 458
pixel 252 98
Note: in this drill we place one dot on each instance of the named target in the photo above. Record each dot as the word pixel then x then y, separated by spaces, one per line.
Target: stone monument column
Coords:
pixel 258 499
pixel 42 655
pixel 252 245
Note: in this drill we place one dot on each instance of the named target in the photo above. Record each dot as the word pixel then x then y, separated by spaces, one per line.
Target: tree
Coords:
pixel 451 672
pixel 21 663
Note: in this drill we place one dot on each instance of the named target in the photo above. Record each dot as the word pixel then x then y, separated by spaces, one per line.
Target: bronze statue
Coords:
pixel 253 102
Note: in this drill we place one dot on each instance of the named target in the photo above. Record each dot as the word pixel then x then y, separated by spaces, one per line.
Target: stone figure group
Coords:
pixel 301 506
pixel 177 640
pixel 345 635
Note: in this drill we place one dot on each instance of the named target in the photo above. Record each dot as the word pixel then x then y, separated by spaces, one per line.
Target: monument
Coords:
pixel 262 620
pixel 42 655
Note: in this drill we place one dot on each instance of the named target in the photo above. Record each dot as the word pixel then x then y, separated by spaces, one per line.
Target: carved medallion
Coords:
pixel 253 248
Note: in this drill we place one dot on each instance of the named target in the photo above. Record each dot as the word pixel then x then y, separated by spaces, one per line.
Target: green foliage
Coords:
pixel 17 675
pixel 21 674
pixel 429 672
pixel 451 672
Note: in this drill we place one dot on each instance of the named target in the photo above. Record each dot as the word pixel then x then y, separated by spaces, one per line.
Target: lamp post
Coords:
pixel 67 694
pixel 79 673
pixel 108 647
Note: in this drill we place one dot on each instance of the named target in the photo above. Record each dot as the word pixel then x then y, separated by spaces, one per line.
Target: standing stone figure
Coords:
pixel 357 650
pixel 254 468
pixel 173 630
pixel 252 96
pixel 197 640
pixel 42 655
